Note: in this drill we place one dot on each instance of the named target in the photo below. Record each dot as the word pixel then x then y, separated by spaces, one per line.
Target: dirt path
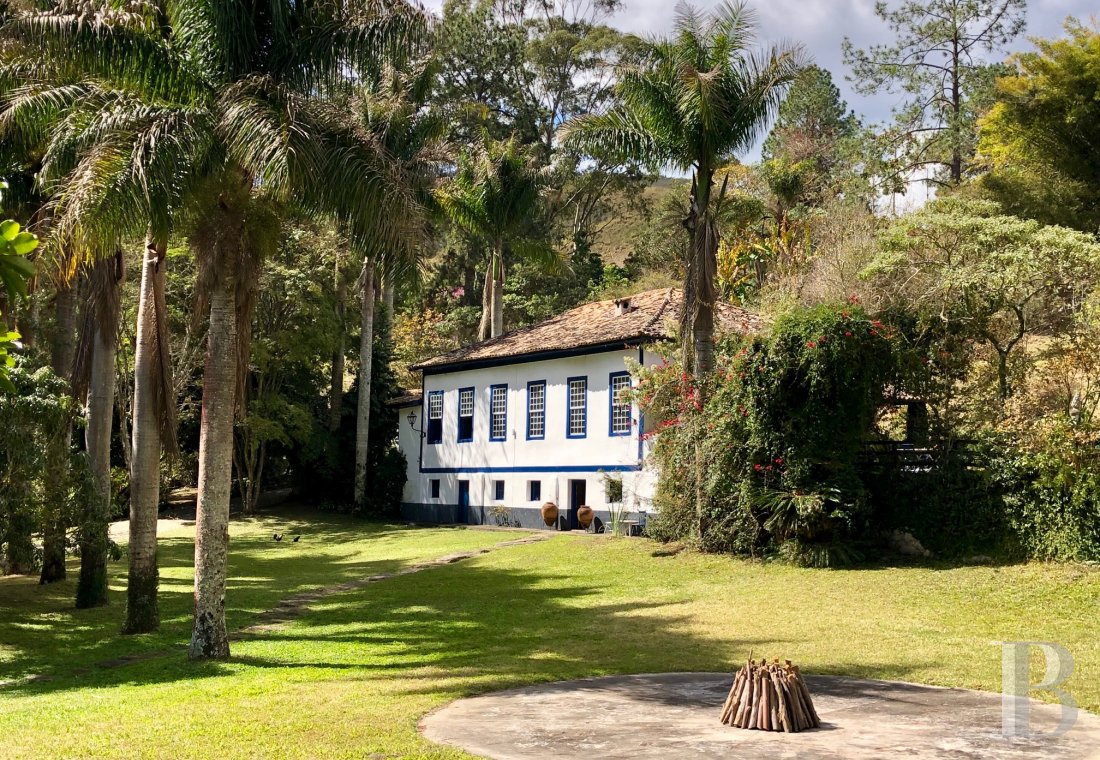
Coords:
pixel 295 606
pixel 289 609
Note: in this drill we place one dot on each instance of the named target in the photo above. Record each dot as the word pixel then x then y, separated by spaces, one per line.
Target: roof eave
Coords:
pixel 536 356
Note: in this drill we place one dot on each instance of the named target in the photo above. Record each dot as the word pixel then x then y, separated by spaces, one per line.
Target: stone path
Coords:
pixel 676 715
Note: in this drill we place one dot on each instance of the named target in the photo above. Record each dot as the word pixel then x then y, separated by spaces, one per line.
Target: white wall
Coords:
pixel 554 460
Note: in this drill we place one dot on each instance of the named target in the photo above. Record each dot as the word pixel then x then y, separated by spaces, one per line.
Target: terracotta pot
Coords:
pixel 585 515
pixel 549 513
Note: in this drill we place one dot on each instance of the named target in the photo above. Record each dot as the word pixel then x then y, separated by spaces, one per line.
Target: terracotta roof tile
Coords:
pixel 643 317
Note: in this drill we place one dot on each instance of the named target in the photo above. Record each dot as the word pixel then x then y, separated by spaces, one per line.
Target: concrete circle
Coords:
pixel 676 715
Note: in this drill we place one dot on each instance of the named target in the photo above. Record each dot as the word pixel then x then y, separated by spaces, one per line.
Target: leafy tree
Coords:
pixel 15 270
pixel 31 418
pixel 812 142
pixel 1039 140
pixel 294 328
pixel 693 101
pixel 997 279
pixel 936 63
pixel 482 76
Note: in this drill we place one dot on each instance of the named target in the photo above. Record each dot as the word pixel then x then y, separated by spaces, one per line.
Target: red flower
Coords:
pixel 758 467
pixel 847 333
pixel 779 460
pixel 811 344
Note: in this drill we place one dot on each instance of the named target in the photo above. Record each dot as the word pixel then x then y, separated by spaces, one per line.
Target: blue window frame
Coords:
pixel 498 412
pixel 618 408
pixel 576 407
pixel 498 490
pixel 434 433
pixel 535 489
pixel 536 410
pixel 435 488
pixel 465 415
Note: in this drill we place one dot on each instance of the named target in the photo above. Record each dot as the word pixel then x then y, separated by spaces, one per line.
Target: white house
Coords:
pixel 538 414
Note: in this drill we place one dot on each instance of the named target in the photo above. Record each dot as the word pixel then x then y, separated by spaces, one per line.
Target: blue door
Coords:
pixel 463 501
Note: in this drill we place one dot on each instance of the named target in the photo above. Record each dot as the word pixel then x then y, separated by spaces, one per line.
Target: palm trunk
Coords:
pixel 388 294
pixel 55 524
pixel 209 638
pixel 699 298
pixel 498 296
pixel 485 327
pixel 366 354
pixel 336 380
pixel 91 589
pixel 142 614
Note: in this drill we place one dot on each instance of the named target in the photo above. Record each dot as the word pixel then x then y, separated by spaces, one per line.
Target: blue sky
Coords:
pixel 821 26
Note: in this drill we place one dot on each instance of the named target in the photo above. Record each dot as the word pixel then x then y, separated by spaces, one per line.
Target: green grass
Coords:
pixel 352 677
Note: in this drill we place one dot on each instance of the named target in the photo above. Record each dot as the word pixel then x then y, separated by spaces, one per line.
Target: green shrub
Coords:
pixel 780 433
pixel 1052 496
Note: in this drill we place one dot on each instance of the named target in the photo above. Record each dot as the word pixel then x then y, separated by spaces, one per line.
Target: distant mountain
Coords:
pixel 617 238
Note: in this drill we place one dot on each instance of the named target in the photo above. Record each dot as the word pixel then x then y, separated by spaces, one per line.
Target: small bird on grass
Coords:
pixel 277 536
pixel 296 539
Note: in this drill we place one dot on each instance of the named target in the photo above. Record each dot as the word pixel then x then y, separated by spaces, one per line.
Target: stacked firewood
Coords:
pixel 770 697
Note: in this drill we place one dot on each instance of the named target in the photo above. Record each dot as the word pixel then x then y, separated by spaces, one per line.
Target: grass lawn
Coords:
pixel 351 677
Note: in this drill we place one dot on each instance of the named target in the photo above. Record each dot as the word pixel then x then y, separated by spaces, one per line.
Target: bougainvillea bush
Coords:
pixel 777 433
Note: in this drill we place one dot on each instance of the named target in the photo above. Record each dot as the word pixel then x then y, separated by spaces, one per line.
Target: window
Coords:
pixel 617 386
pixel 435 417
pixel 435 488
pixel 498 412
pixel 465 415
pixel 577 420
pixel 498 490
pixel 534 488
pixel 536 410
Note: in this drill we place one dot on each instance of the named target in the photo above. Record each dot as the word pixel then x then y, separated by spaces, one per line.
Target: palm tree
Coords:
pixel 94 381
pixel 494 196
pixel 209 111
pixel 396 114
pixel 694 101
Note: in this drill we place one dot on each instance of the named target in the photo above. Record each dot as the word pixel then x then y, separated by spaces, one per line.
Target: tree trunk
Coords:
pixel 142 614
pixel 388 293
pixel 956 111
pixel 699 298
pixel 366 345
pixel 91 589
pixel 209 638
pixel 498 297
pixel 485 327
pixel 54 523
pixel 336 379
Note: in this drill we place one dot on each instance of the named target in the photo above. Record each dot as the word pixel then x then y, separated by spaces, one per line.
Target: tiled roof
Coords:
pixel 407 398
pixel 643 317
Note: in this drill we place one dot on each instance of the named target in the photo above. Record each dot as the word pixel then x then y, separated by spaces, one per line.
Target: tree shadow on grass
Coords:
pixel 463 629
pixel 42 634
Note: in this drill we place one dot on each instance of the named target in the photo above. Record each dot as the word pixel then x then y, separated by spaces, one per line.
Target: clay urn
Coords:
pixel 549 513
pixel 585 515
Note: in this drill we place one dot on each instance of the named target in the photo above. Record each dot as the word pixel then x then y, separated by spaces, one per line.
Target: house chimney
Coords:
pixel 622 306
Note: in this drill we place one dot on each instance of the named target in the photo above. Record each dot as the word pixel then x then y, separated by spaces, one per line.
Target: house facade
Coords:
pixel 541 414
